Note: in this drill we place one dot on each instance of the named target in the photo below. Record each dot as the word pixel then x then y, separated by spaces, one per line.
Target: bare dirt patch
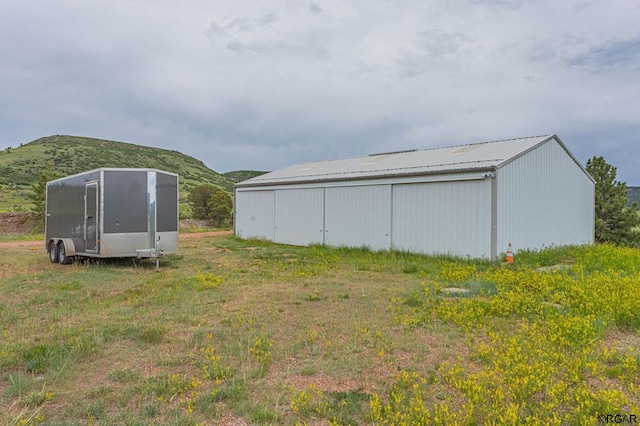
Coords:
pixel 18 223
pixel 10 244
pixel 193 235
pixel 622 341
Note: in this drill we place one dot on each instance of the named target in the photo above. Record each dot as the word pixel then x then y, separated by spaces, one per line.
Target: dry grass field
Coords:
pixel 249 332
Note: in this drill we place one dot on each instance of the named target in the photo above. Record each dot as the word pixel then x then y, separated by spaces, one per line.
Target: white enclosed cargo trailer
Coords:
pixel 112 212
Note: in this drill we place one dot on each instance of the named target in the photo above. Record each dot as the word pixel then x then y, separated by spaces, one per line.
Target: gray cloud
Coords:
pixel 614 54
pixel 435 50
pixel 503 4
pixel 276 83
pixel 314 8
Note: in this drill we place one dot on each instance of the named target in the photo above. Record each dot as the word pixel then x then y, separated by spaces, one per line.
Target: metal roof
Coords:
pixel 462 158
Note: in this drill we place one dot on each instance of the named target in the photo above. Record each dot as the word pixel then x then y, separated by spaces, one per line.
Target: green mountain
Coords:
pixel 633 194
pixel 69 155
pixel 240 175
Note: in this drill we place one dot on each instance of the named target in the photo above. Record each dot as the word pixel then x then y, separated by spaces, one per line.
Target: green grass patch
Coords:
pixel 43 357
pixel 261 333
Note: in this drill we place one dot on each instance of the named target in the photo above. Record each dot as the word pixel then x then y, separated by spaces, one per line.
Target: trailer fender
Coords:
pixel 69 246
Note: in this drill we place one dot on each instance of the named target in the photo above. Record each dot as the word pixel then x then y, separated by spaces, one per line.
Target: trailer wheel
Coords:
pixel 62 254
pixel 53 252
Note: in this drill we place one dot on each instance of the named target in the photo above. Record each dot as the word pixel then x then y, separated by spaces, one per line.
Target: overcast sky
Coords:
pixel 266 84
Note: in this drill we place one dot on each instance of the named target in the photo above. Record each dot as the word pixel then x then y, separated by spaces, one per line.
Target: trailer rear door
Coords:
pixel 91 217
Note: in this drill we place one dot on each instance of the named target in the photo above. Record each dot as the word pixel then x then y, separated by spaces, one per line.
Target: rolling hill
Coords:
pixel 73 154
pixel 240 175
pixel 633 194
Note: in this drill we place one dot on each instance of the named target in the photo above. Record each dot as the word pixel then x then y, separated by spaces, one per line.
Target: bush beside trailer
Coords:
pixel 110 213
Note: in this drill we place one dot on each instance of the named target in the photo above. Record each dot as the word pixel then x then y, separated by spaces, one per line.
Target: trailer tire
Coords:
pixel 63 259
pixel 53 251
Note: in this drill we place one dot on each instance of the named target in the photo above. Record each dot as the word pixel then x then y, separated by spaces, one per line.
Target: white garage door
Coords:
pixel 255 214
pixel 443 217
pixel 299 216
pixel 357 216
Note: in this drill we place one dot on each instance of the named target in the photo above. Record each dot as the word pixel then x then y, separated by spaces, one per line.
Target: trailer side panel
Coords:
pixel 66 208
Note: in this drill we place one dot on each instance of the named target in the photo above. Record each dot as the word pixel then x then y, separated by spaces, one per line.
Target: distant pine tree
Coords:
pixel 615 221
pixel 38 194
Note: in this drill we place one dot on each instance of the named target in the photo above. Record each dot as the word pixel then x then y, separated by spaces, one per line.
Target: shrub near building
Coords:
pixel 211 203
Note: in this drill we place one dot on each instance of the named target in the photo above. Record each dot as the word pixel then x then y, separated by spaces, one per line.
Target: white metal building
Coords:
pixel 469 200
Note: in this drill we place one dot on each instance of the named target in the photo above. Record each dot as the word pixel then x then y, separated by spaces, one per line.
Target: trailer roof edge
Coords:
pixel 114 169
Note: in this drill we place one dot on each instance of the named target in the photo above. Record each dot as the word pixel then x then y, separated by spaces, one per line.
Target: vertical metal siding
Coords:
pixel 255 214
pixel 299 216
pixel 357 216
pixel 544 199
pixel 443 217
